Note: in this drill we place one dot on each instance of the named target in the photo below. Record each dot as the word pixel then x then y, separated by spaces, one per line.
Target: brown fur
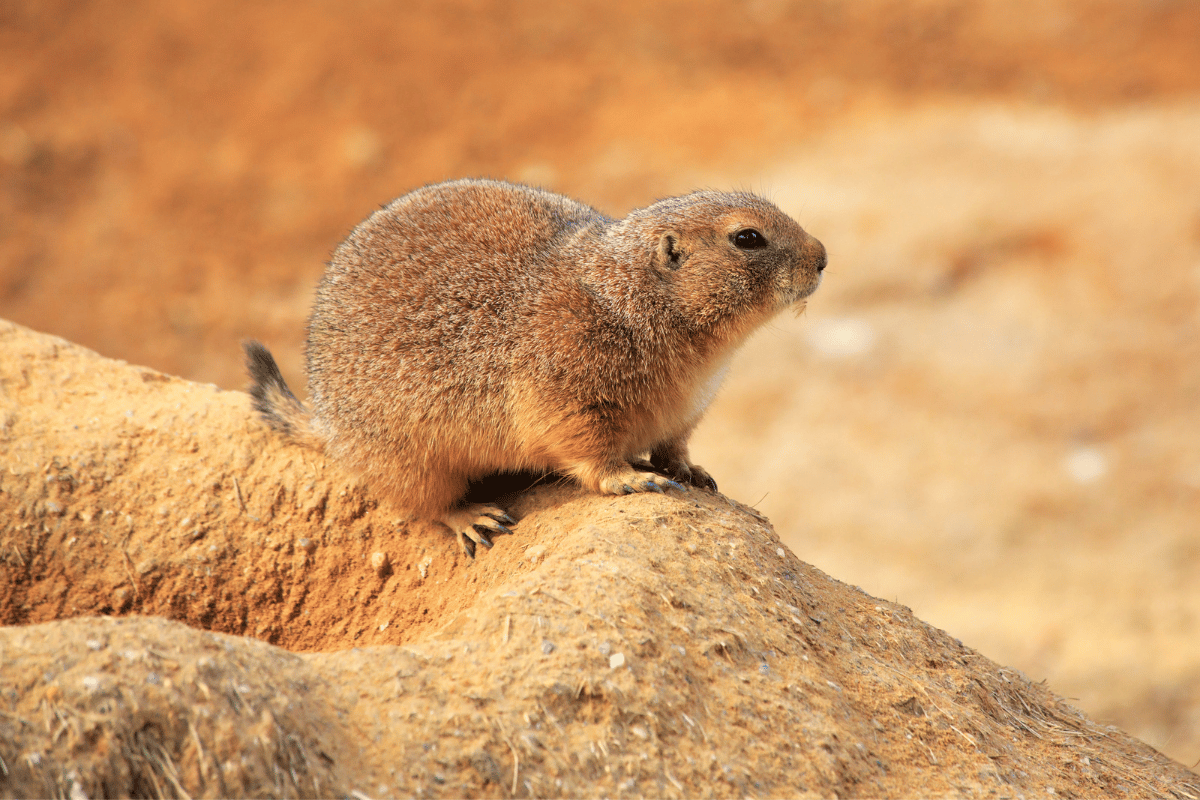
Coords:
pixel 475 327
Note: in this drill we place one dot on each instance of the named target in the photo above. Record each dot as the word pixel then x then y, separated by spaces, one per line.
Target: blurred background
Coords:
pixel 989 413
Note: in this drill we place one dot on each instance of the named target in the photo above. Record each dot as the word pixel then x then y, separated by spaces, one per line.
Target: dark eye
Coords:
pixel 749 239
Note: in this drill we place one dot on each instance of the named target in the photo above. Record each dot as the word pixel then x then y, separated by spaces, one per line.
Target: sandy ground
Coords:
pixel 191 606
pixel 989 412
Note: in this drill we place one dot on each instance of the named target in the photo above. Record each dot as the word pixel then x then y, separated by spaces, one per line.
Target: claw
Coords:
pixel 651 486
pixel 711 483
pixel 626 488
pixel 496 513
pixel 468 545
pixel 482 533
pixel 678 486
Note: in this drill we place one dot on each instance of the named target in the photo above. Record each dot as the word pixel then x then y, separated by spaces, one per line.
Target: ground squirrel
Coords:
pixel 476 327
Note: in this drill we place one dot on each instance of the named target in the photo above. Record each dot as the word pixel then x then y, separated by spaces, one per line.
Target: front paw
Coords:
pixel 630 481
pixel 698 476
pixel 687 474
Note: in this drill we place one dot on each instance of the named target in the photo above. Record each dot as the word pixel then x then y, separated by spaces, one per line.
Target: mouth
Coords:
pixel 798 294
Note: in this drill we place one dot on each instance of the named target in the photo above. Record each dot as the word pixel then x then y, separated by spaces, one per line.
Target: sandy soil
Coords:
pixel 662 645
pixel 990 411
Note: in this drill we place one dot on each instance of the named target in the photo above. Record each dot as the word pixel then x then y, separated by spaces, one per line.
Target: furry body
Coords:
pixel 475 327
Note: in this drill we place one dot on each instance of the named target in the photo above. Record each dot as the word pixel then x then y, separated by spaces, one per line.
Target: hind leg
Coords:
pixel 440 497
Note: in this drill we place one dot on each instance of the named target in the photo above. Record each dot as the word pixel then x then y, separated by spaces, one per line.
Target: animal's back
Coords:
pixel 412 334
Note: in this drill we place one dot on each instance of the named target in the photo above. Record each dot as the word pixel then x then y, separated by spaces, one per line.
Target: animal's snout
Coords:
pixel 819 256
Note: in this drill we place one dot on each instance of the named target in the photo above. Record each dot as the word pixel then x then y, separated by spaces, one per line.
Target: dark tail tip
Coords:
pixel 268 380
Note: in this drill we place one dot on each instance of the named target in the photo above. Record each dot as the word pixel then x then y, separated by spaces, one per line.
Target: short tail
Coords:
pixel 274 400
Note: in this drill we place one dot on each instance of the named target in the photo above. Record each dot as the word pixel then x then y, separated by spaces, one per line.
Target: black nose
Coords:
pixel 822 257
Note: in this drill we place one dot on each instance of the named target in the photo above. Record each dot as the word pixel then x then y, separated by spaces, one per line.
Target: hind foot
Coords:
pixel 475 522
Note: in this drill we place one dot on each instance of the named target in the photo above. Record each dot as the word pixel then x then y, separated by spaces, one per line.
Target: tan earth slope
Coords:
pixel 154 532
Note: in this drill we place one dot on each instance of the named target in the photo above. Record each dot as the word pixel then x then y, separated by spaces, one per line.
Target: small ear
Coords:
pixel 668 255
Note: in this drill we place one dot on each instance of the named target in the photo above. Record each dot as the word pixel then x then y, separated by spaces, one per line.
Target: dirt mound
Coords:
pixel 988 411
pixel 646 645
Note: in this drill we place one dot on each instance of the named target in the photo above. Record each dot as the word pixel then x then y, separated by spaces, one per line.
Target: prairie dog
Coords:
pixel 475 327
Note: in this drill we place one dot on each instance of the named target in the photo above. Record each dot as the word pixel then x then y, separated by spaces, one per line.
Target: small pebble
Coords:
pixel 616 660
pixel 547 647
pixel 307 545
pixel 379 562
